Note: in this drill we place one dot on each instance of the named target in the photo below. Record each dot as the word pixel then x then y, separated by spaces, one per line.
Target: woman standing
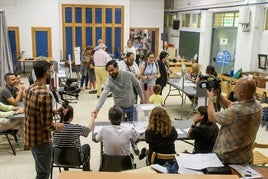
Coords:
pixel 164 70
pixel 149 72
pixel 84 67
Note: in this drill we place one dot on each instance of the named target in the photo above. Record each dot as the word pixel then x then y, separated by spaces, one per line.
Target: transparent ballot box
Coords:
pixel 142 111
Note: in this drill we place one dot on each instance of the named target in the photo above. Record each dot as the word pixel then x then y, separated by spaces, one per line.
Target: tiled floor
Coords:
pixel 21 166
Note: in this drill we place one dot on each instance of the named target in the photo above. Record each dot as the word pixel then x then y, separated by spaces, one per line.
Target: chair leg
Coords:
pixel 14 152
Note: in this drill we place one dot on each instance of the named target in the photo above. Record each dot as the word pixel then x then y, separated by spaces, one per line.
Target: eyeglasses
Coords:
pixel 151 57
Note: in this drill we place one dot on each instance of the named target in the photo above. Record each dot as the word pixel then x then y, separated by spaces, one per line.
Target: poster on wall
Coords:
pixel 77 51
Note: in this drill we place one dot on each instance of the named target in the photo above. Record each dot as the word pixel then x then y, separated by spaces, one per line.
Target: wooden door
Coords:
pixel 41 41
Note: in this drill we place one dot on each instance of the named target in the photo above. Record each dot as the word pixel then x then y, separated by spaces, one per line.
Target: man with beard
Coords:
pixel 38 119
pixel 9 94
pixel 121 84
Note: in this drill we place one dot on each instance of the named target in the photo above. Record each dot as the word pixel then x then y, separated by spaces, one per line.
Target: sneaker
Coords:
pixel 143 153
pixel 135 148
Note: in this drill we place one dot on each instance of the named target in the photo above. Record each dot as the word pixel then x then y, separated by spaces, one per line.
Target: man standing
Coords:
pixel 122 85
pixel 10 94
pixel 239 122
pixel 128 64
pixel 101 57
pixel 38 120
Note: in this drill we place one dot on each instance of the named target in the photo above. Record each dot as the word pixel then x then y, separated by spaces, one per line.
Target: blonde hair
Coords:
pixel 196 67
pixel 159 122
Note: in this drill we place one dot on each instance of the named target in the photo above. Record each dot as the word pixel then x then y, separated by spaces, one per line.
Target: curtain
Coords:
pixel 6 64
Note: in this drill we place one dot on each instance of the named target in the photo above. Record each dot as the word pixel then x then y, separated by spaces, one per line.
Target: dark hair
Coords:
pixel 157 89
pixel 203 111
pixel 211 70
pixel 163 55
pixel 7 75
pixel 69 114
pixel 40 68
pixel 129 53
pixel 150 53
pixel 115 115
pixel 111 62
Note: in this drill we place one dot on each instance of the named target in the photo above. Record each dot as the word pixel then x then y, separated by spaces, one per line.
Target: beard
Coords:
pixel 48 80
pixel 114 75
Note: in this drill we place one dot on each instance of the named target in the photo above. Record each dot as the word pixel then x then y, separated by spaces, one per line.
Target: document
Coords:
pixel 246 171
pixel 179 131
pixel 198 161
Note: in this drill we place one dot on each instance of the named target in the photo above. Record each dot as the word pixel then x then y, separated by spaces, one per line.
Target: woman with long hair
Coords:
pixel 160 135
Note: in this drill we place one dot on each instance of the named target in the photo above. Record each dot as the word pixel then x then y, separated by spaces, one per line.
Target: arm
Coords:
pixel 15 101
pixel 137 86
pixel 102 98
pixel 91 122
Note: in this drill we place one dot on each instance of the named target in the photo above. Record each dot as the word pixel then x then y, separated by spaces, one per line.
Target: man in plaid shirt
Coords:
pixel 38 120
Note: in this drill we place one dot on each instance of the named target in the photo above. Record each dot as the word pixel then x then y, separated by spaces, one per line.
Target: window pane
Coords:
pixel 108 17
pixel 228 20
pixel 68 15
pixel 98 17
pixel 88 15
pixel 78 15
pixel 266 20
pixel 118 16
pixel 218 19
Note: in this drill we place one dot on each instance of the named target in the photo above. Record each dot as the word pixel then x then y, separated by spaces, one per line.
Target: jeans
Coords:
pixel 86 161
pixel 129 112
pixel 42 155
pixel 84 79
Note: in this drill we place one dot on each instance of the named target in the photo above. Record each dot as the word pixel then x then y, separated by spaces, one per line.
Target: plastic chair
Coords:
pixel 160 156
pixel 116 163
pixel 67 158
pixel 14 134
pixel 258 157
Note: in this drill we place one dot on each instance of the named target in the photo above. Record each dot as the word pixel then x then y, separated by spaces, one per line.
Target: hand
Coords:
pixel 20 110
pixel 94 113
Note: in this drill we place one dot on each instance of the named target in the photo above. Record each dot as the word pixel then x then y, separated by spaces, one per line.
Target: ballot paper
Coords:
pixel 246 171
pixel 191 163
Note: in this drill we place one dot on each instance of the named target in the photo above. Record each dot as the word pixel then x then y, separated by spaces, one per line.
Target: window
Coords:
pixel 226 19
pixel 191 20
pixel 266 20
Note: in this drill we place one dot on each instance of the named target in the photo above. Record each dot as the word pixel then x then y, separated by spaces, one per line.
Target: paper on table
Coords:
pixel 140 127
pixel 186 129
pixel 199 161
pixel 246 171
pixel 97 129
pixel 146 107
pixel 179 131
pixel 183 170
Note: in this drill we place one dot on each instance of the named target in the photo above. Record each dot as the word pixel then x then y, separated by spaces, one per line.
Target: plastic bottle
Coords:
pixel 232 72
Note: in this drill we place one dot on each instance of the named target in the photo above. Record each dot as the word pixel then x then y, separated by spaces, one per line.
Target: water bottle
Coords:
pixel 232 72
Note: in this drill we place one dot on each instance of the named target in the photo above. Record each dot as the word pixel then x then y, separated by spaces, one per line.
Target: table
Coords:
pixel 182 126
pixel 121 175
pixel 184 88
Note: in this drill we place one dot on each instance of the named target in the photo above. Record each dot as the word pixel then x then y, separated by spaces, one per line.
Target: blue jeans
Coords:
pixel 42 155
pixel 84 79
pixel 129 112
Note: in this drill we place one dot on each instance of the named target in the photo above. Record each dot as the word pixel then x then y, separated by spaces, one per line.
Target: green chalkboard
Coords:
pixel 189 44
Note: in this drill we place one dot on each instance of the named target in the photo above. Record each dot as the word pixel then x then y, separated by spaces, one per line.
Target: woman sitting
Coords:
pixel 160 135
pixel 203 131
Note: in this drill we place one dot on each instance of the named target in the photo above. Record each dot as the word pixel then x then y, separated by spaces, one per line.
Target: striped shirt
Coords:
pixel 38 115
pixel 70 137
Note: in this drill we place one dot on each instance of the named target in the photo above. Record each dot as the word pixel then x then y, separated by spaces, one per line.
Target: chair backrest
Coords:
pixel 160 156
pixel 115 163
pixel 258 157
pixel 66 157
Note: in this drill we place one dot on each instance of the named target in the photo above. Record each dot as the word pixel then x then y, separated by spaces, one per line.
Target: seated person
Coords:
pixel 203 131
pixel 11 124
pixel 156 98
pixel 160 135
pixel 9 94
pixel 115 137
pixel 70 135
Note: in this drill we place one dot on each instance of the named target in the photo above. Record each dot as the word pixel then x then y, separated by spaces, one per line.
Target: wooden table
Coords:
pixel 119 175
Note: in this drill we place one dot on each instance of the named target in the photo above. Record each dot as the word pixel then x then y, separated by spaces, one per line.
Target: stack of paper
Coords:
pixel 246 171
pixel 195 163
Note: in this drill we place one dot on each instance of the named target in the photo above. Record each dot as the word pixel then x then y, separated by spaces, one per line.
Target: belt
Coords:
pixel 99 66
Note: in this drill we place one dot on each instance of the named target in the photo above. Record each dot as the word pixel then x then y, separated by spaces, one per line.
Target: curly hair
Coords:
pixel 159 122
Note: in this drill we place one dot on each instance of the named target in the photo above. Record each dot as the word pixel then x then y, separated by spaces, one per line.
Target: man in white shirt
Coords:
pixel 128 64
pixel 130 48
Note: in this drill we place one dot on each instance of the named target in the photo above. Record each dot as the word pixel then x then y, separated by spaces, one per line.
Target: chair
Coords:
pixel 258 157
pixel 116 163
pixel 67 158
pixel 14 134
pixel 160 156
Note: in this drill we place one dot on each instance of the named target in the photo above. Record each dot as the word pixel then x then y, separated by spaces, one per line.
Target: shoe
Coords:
pixel 82 89
pixel 143 153
pixel 26 147
pixel 110 95
pixel 87 88
pixel 98 96
pixel 90 92
pixel 135 148
pixel 94 91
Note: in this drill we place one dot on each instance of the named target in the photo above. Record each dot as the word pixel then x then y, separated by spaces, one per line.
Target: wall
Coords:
pixel 33 13
pixel 249 44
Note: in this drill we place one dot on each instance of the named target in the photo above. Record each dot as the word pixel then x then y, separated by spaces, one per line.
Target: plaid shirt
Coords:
pixel 239 126
pixel 38 115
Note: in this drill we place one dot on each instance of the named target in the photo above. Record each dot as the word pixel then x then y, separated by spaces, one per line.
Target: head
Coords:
pixel 100 41
pixel 163 55
pixel 88 51
pixel 245 88
pixel 129 43
pixel 151 57
pixel 159 122
pixel 112 68
pixel 10 79
pixel 42 69
pixel 210 70
pixel 130 58
pixel 102 46
pixel 67 113
pixel 157 89
pixel 195 68
pixel 202 114
pixel 115 115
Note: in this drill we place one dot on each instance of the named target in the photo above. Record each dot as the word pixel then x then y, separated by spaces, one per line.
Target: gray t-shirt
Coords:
pixel 116 139
pixel 6 93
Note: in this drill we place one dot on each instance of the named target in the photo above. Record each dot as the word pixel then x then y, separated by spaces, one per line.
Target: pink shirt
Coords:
pixel 101 58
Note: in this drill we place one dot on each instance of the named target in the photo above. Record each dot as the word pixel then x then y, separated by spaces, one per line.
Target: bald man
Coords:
pixel 239 122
